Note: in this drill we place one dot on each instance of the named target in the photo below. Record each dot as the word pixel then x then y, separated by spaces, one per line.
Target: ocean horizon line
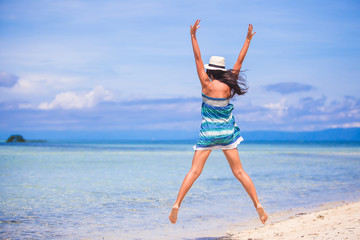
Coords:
pixel 326 135
pixel 175 141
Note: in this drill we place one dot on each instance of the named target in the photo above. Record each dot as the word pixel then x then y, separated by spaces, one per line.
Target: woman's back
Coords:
pixel 217 89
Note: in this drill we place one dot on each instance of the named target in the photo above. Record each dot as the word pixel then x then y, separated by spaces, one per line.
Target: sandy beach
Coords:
pixel 340 222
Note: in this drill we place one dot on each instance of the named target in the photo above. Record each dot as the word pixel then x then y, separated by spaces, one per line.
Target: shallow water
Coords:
pixel 125 190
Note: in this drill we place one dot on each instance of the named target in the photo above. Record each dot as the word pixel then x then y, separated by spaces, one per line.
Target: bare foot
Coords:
pixel 262 214
pixel 173 214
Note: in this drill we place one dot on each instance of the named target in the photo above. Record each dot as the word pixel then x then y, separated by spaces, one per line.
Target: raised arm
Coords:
pixel 237 66
pixel 204 79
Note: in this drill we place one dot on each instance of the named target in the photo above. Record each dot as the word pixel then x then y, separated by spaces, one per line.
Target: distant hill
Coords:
pixel 336 134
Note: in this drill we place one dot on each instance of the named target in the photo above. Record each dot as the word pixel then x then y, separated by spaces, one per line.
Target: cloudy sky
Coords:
pixel 127 66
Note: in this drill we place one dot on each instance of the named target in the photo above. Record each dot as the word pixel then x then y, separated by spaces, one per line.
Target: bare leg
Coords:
pixel 233 158
pixel 197 166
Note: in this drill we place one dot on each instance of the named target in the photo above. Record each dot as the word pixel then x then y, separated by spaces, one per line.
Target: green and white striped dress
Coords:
pixel 218 127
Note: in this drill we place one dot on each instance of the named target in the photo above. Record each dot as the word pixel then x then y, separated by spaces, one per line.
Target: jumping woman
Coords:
pixel 218 127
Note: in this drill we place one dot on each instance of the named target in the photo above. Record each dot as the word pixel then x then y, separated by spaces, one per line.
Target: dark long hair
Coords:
pixel 237 83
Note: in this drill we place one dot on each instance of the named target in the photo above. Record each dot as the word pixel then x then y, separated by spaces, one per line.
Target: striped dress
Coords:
pixel 218 127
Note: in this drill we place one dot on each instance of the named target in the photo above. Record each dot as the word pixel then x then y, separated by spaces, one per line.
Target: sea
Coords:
pixel 117 189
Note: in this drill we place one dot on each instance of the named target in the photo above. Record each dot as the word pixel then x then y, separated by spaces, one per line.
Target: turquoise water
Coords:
pixel 125 190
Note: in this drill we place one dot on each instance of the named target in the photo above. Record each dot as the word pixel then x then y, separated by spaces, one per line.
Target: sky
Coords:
pixel 126 68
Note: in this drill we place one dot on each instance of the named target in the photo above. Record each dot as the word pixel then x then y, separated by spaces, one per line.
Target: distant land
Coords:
pixel 336 134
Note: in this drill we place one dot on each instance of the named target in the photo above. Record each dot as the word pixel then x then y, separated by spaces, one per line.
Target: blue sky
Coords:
pixel 127 66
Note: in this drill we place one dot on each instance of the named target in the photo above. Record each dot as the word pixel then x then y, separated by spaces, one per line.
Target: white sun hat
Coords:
pixel 216 63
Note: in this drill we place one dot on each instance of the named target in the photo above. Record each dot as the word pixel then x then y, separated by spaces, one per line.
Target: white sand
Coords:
pixel 338 223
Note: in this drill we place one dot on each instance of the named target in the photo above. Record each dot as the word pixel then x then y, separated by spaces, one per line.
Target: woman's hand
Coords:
pixel 250 34
pixel 194 27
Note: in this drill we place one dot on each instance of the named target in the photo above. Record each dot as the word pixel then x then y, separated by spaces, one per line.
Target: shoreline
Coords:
pixel 333 220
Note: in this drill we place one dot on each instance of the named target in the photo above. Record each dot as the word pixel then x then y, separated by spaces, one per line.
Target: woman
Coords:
pixel 218 127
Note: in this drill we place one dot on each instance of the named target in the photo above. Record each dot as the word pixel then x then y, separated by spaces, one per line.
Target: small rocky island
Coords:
pixel 19 138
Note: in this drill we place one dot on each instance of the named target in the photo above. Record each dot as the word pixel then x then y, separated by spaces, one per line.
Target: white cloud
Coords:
pixel 35 88
pixel 26 105
pixel 179 113
pixel 33 83
pixel 279 108
pixel 73 100
pixel 276 106
pixel 346 125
